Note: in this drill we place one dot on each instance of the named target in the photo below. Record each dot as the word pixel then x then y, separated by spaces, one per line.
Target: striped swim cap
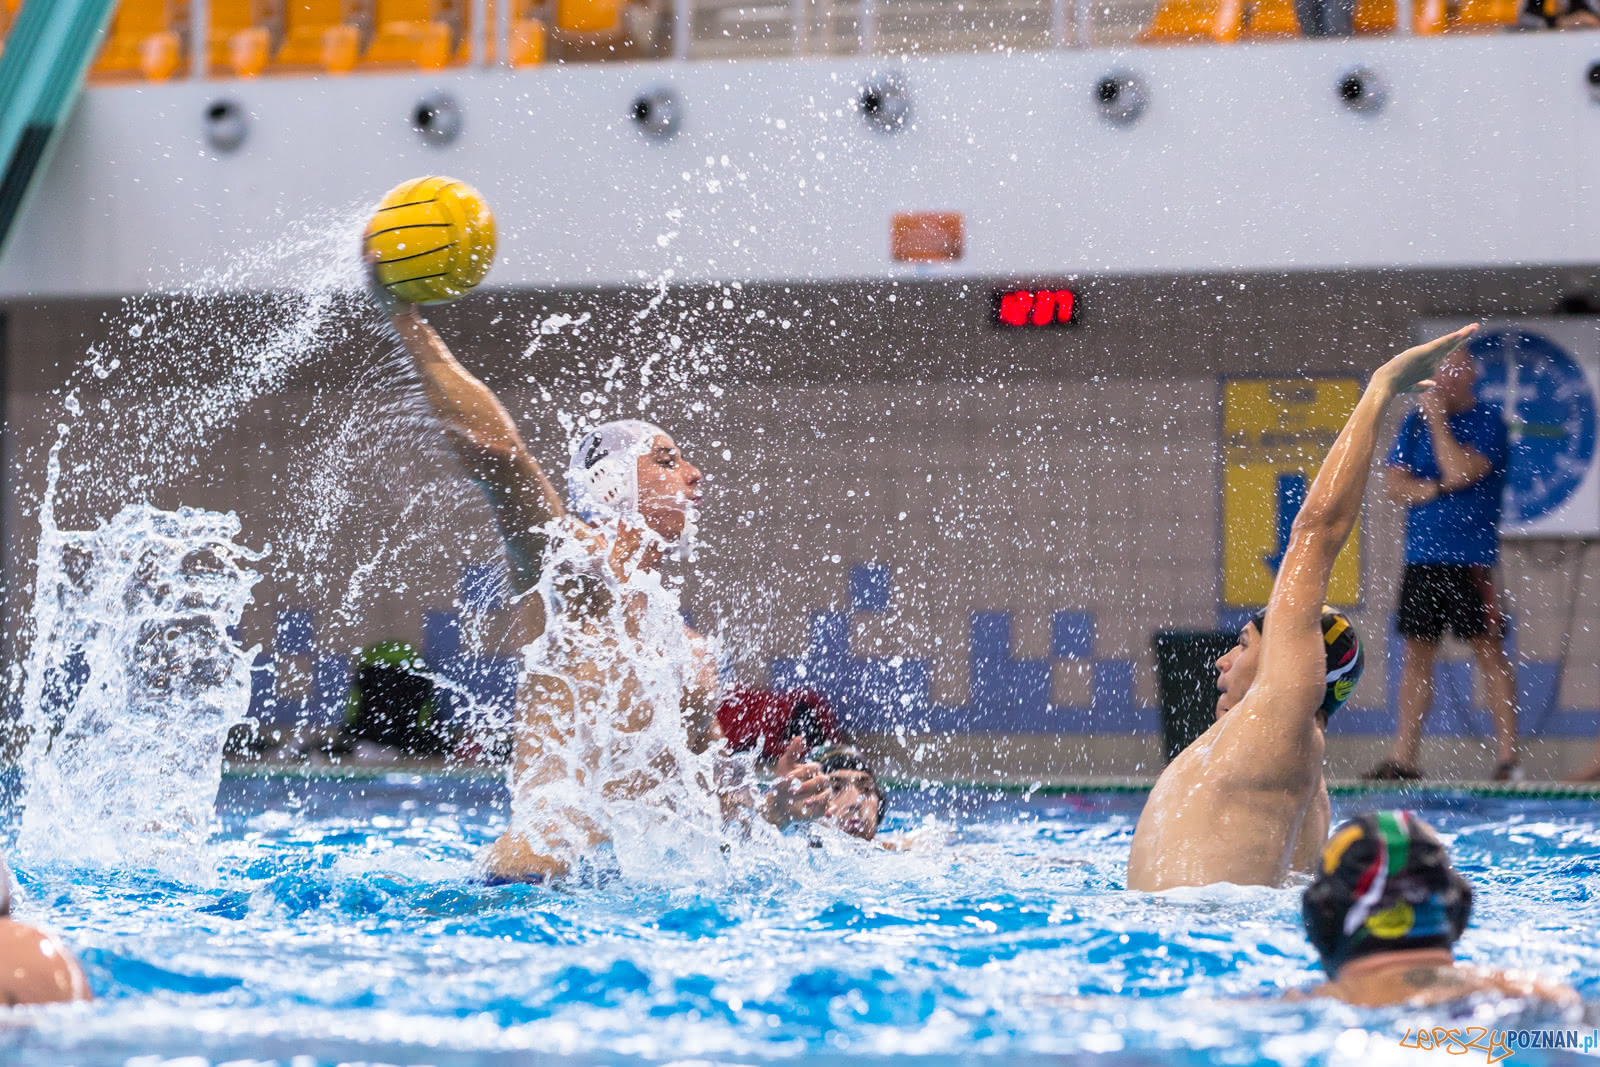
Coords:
pixel 1341 644
pixel 1384 884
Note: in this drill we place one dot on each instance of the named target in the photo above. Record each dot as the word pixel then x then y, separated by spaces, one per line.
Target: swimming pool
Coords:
pixel 344 928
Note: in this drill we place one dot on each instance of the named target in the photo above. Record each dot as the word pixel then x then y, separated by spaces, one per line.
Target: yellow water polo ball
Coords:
pixel 434 239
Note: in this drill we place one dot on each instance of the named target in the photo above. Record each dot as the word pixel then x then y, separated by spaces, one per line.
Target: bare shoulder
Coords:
pixel 591 540
pixel 1197 755
pixel 1224 743
pixel 1189 771
pixel 1321 989
pixel 577 567
pixel 1524 985
pixel 1437 985
pixel 1270 738
pixel 35 968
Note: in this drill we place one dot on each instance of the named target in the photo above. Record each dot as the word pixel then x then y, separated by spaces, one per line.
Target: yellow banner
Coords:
pixel 1275 434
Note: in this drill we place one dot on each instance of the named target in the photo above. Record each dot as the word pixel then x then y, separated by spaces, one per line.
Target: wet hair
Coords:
pixel 1344 658
pixel 1384 884
pixel 850 758
pixel 811 720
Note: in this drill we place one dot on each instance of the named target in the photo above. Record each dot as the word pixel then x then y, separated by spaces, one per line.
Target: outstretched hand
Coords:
pixel 1413 369
pixel 387 302
pixel 802 789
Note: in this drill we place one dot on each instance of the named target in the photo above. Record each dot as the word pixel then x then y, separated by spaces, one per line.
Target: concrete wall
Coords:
pixel 965 533
pixel 1484 155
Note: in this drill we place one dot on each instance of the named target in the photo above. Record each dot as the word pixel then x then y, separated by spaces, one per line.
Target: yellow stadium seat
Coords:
pixel 420 33
pixel 8 15
pixel 588 16
pixel 1270 18
pixel 240 35
pixel 469 30
pixel 1484 15
pixel 145 39
pixel 1195 20
pixel 1431 16
pixel 320 33
pixel 1377 16
pixel 249 51
pixel 530 40
pixel 159 55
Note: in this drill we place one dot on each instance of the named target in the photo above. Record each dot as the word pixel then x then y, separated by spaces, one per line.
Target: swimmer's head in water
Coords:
pixel 630 468
pixel 1384 884
pixel 1343 660
pixel 856 802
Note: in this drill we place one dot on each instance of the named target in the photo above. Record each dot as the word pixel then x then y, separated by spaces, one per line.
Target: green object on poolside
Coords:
pixel 392 701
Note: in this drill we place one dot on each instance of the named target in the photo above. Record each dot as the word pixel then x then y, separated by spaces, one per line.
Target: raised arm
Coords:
pixel 1459 465
pixel 1403 487
pixel 1293 630
pixel 488 444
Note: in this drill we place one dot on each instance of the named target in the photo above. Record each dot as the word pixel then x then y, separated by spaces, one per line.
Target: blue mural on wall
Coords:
pixel 1007 694
pixel 469 680
pixel 1551 409
pixel 872 693
pixel 878 693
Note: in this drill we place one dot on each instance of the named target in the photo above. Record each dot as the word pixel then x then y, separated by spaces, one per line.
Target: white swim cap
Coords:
pixel 5 888
pixel 603 473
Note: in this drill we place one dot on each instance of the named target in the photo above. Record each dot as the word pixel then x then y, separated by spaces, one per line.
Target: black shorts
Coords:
pixel 1434 596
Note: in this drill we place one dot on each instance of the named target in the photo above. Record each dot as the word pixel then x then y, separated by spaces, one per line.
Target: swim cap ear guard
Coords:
pixel 1343 656
pixel 603 476
pixel 1384 883
pixel 603 473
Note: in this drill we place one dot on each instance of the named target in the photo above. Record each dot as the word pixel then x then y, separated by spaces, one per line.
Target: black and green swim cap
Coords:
pixel 1384 883
pixel 1345 660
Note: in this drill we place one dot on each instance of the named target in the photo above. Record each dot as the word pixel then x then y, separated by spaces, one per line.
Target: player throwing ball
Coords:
pixel 1246 802
pixel 620 707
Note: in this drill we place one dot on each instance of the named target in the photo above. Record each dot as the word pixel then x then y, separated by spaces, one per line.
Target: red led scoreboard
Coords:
pixel 1034 307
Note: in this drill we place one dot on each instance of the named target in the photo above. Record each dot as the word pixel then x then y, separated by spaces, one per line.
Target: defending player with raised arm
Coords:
pixel 1246 802
pixel 632 474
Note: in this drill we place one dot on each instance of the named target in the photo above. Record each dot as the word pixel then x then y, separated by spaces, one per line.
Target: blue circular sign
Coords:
pixel 1549 408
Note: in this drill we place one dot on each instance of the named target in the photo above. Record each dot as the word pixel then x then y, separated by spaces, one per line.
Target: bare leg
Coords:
pixel 1500 686
pixel 1416 698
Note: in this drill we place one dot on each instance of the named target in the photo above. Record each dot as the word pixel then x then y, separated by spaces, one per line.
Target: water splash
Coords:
pixel 178 369
pixel 132 684
pixel 607 747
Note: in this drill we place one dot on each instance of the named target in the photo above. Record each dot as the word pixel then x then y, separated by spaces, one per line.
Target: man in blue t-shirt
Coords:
pixel 1448 467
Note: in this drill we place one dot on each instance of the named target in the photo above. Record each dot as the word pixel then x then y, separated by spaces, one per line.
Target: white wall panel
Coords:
pixel 1487 154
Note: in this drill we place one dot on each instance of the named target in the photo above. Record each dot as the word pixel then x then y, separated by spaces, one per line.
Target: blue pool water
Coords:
pixel 344 927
